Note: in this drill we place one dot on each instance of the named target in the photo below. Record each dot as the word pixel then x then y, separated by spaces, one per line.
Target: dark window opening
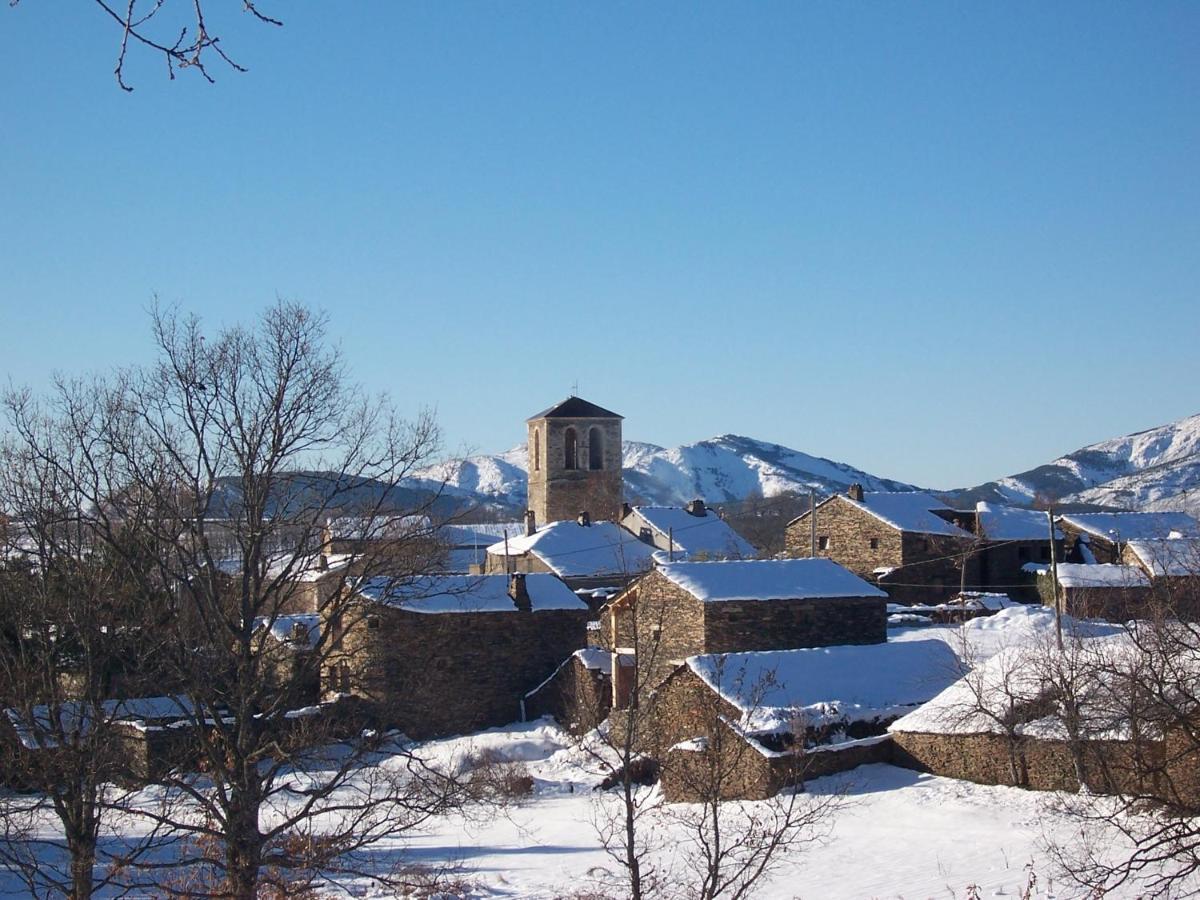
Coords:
pixel 823 542
pixel 595 449
pixel 537 450
pixel 570 450
pixel 874 543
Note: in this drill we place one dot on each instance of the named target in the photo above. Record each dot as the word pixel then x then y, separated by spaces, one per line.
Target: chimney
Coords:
pixel 326 539
pixel 696 508
pixel 530 523
pixel 323 562
pixel 584 519
pixel 626 509
pixel 519 592
pixel 299 633
pixel 855 492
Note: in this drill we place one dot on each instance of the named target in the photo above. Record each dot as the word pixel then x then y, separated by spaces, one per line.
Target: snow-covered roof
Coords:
pixel 767 579
pixel 469 593
pixel 298 567
pixel 286 629
pixel 574 550
pixel 482 534
pixel 691 534
pixel 906 511
pixel 1012 686
pixel 1170 557
pixel 1099 575
pixel 378 527
pixel 778 690
pixel 1010 523
pixel 1133 526
pixel 39 731
pixel 595 658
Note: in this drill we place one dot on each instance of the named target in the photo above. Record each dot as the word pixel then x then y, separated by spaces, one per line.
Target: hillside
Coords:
pixel 722 469
pixel 1154 469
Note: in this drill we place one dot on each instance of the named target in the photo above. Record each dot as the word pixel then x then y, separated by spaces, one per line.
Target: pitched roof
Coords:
pixel 907 511
pixel 767 579
pixel 1099 575
pixel 1131 526
pixel 469 593
pixel 708 533
pixel 777 689
pixel 1010 523
pixel 575 408
pixel 1168 557
pixel 574 550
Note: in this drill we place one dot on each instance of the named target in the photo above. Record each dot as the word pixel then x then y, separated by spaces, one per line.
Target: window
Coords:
pixel 823 542
pixel 537 450
pixel 874 543
pixel 595 449
pixel 570 450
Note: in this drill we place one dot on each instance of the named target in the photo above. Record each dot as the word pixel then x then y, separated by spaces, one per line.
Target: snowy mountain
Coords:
pixel 721 469
pixel 1157 469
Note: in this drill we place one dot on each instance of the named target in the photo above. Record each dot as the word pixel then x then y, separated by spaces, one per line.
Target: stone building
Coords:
pixel 693 531
pixel 686 609
pixel 447 654
pixel 575 462
pixel 1011 539
pixel 1101 537
pixel 770 719
pixel 908 543
pixel 585 554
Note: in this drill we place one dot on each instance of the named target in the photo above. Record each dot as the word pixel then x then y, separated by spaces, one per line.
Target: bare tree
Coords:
pixel 233 451
pixel 730 846
pixel 77 634
pixel 185 40
pixel 1147 834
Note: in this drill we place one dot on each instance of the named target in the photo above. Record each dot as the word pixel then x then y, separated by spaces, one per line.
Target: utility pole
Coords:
pixel 812 522
pixel 670 545
pixel 1054 580
pixel 507 564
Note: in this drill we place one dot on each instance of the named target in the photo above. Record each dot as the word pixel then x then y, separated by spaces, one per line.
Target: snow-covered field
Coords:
pixel 896 833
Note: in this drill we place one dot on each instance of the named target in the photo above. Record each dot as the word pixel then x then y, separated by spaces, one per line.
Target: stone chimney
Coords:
pixel 696 508
pixel 519 591
pixel 299 633
pixel 323 562
pixel 855 492
pixel 530 523
pixel 626 509
pixel 585 518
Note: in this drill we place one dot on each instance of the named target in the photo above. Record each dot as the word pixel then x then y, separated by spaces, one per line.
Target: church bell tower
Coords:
pixel 575 462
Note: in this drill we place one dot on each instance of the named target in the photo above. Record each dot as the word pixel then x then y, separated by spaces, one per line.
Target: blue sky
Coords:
pixel 942 242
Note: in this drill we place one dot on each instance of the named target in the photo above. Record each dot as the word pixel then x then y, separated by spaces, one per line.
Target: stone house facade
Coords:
pixel 578 694
pixel 678 610
pixel 907 544
pixel 453 654
pixel 575 456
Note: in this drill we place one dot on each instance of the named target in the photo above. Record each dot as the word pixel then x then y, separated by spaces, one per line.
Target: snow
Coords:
pixel 778 690
pixel 76 717
pixel 377 527
pixel 1175 557
pixel 595 658
pixel 573 550
pixel 1099 575
pixel 469 593
pixel 907 511
pixel 285 628
pixel 767 579
pixel 1011 681
pixel 1132 526
pixel 1008 523
pixel 708 534
pixel 481 535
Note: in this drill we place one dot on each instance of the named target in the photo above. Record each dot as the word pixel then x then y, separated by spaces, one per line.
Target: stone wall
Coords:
pixel 863 543
pixel 669 627
pixel 848 532
pixel 742 625
pixel 1045 765
pixel 439 674
pixel 577 697
pixel 557 493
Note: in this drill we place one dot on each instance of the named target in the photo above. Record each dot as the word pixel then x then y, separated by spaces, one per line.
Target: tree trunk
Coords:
pixel 83 863
pixel 243 845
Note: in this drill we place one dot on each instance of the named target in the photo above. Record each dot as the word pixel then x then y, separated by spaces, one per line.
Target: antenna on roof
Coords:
pixel 575 388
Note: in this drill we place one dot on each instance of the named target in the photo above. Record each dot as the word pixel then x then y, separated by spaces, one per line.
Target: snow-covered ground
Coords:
pixel 896 833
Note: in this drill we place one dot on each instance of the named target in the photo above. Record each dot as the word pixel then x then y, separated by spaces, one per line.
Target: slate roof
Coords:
pixel 1134 526
pixel 906 511
pixel 575 408
pixel 767 579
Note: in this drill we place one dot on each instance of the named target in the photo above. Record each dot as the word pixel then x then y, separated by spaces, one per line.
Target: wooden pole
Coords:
pixel 671 545
pixel 1054 580
pixel 507 568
